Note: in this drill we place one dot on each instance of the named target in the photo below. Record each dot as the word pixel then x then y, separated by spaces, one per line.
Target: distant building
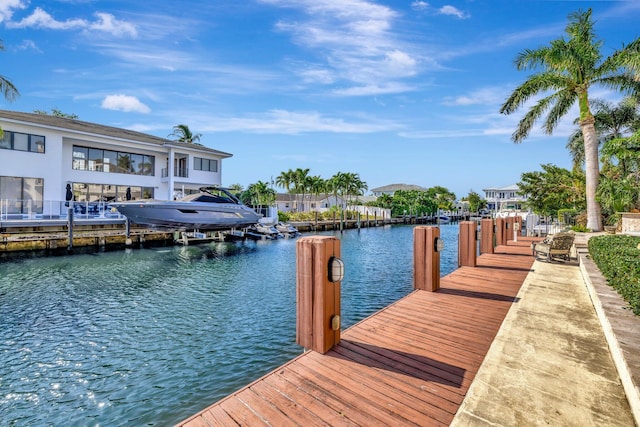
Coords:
pixel 504 198
pixel 40 155
pixel 392 188
pixel 310 203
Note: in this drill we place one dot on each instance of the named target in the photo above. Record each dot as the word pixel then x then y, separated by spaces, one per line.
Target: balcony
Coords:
pixel 179 173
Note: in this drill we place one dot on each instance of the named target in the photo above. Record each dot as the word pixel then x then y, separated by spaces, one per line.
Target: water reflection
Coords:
pixel 153 336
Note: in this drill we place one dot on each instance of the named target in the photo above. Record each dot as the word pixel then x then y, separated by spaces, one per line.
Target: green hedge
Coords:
pixel 618 258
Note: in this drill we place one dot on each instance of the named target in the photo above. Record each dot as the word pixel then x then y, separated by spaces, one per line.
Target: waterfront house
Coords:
pixel 309 203
pixel 392 188
pixel 500 199
pixel 47 161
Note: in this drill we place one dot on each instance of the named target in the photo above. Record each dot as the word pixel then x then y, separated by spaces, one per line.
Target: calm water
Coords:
pixel 150 337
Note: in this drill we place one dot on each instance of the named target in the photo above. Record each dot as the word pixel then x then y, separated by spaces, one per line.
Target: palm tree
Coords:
pixel 9 91
pixel 611 122
pixel 259 194
pixel 569 68
pixel 236 188
pixel 182 133
pixel 285 180
pixel 301 183
pixel 317 185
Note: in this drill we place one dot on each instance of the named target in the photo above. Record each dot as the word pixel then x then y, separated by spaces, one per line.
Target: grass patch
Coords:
pixel 618 258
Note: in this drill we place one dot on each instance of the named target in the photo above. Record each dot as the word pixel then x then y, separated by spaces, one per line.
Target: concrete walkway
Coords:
pixel 549 364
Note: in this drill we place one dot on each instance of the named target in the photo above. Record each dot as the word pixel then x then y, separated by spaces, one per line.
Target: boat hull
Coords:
pixel 176 215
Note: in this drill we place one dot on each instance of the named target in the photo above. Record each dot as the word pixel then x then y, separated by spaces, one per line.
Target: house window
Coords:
pixel 99 160
pixel 209 165
pixel 84 192
pixel 22 142
pixel 22 195
pixel 80 158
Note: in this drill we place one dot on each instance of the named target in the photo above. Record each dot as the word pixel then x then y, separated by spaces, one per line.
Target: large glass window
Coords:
pixel 200 164
pixel 110 163
pixel 147 166
pixel 36 143
pixel 99 160
pixel 5 142
pixel 136 163
pixel 21 195
pixel 84 192
pixel 80 156
pixel 95 160
pixel 22 142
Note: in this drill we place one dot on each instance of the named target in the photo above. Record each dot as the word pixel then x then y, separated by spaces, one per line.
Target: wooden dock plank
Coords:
pixel 411 363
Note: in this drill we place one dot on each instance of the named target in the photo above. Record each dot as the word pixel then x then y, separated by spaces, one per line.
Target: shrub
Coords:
pixel 618 258
pixel 579 228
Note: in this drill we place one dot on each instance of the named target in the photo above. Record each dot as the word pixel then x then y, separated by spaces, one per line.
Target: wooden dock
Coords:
pixel 408 364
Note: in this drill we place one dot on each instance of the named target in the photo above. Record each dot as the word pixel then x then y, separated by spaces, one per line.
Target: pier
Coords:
pixel 458 355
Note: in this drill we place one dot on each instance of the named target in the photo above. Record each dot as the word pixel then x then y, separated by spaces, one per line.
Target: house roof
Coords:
pixel 396 187
pixel 73 125
pixel 512 187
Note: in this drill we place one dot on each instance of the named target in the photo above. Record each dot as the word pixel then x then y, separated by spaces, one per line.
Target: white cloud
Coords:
pixel 420 5
pixel 125 103
pixel 41 19
pixel 7 8
pixel 353 41
pixel 293 123
pixel 29 45
pixel 105 23
pixel 450 10
pixel 369 90
pixel 423 6
pixel 485 96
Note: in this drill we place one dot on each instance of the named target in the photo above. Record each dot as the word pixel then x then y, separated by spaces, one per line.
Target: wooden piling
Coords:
pixel 467 244
pixel 487 234
pixel 510 227
pixel 317 299
pixel 501 231
pixel 426 259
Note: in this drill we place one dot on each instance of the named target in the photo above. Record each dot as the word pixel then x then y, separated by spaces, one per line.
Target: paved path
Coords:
pixel 549 364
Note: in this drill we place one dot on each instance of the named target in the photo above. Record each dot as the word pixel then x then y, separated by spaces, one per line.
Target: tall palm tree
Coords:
pixel 259 194
pixel 285 180
pixel 611 122
pixel 568 69
pixel 9 91
pixel 301 183
pixel 317 185
pixel 182 133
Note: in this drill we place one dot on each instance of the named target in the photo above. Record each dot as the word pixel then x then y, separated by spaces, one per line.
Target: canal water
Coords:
pixel 152 336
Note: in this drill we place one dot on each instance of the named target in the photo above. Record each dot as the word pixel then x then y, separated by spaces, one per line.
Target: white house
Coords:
pixel 504 198
pixel 392 188
pixel 42 155
pixel 310 203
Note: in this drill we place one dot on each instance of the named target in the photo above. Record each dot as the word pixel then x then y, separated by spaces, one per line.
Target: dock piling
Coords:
pixel 318 292
pixel 501 231
pixel 487 235
pixel 426 258
pixel 70 229
pixel 468 244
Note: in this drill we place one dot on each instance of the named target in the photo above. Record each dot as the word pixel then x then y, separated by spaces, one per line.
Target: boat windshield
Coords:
pixel 212 199
pixel 210 196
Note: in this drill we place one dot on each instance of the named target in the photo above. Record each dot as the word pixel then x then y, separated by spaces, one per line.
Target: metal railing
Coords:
pixel 29 210
pixel 179 172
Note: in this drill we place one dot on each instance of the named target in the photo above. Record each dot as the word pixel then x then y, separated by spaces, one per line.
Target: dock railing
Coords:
pixel 29 210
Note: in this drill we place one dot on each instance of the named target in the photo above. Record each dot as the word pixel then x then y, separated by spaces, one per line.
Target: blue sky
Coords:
pixel 397 91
